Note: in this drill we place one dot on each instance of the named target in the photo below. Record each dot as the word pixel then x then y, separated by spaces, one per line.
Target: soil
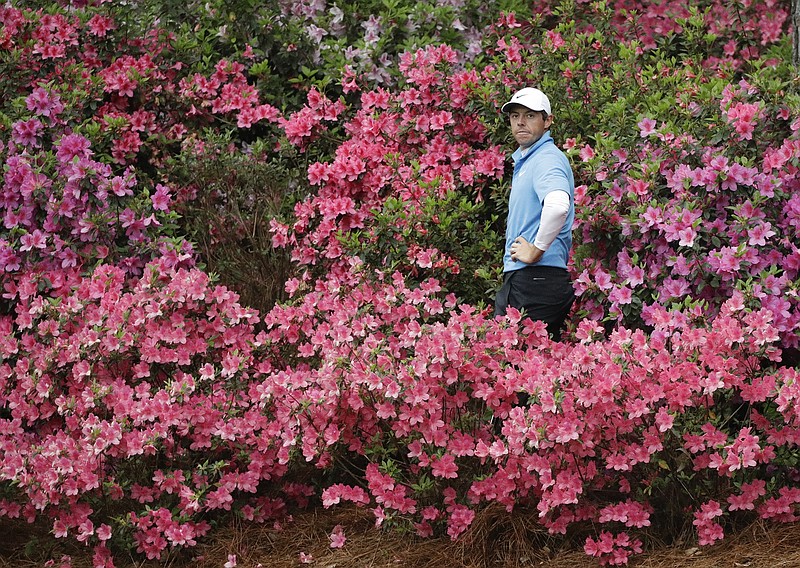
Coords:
pixel 496 539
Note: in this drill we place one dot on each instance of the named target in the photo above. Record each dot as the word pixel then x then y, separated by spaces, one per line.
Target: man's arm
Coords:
pixel 555 209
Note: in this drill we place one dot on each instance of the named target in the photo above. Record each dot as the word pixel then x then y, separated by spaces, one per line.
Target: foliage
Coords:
pixel 404 189
pixel 685 175
pixel 234 195
pixel 145 143
pixel 101 416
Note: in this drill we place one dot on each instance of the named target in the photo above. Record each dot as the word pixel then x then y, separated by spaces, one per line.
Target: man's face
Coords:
pixel 527 125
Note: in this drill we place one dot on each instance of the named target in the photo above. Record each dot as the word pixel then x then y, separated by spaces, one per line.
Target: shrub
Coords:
pixel 234 196
pixel 140 404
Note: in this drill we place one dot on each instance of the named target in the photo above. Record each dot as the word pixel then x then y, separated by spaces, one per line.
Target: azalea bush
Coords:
pixel 235 194
pixel 295 45
pixel 685 180
pixel 614 431
pixel 396 384
pixel 356 197
pixel 124 423
pixel 96 121
pixel 404 191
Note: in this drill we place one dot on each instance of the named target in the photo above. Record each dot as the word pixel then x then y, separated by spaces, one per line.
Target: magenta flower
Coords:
pixel 42 103
pixel 161 198
pixel 27 132
pixel 647 126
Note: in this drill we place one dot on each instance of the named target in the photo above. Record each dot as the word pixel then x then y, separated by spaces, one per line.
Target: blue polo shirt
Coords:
pixel 538 171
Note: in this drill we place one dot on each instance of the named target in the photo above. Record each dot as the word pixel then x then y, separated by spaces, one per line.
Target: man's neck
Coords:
pixel 523 151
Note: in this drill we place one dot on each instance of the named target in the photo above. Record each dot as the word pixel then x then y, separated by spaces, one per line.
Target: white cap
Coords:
pixel 531 98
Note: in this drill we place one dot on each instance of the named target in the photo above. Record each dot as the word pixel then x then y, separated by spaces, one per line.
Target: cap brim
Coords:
pixel 506 107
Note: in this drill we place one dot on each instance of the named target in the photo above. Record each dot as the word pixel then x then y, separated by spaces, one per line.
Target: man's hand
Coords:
pixel 524 251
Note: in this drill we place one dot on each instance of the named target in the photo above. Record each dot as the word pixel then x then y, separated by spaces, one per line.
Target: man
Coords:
pixel 541 211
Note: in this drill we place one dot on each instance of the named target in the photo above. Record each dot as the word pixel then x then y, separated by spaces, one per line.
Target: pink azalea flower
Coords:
pixel 27 132
pixel 647 126
pixel 337 537
pixel 586 153
pixel 161 198
pixel 444 467
pixel 104 532
pixel 758 235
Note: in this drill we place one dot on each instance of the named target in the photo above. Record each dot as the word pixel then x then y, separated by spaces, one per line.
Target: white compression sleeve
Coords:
pixel 554 212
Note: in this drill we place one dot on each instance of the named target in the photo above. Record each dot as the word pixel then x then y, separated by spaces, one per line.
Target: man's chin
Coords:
pixel 525 141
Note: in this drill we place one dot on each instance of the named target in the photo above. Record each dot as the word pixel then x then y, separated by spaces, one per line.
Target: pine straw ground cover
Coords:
pixel 496 539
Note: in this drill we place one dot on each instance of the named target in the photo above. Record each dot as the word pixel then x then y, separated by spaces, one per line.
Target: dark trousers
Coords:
pixel 544 293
